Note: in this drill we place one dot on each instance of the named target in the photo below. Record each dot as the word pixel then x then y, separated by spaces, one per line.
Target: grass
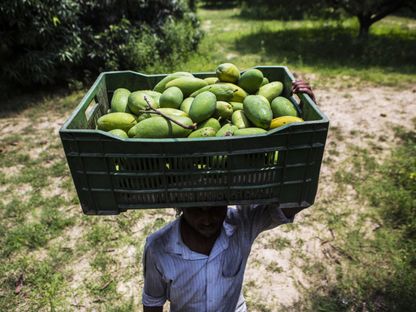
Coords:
pixel 327 49
pixel 378 266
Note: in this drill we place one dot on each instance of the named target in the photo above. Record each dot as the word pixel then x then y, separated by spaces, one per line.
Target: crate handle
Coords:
pixel 303 97
pixel 90 109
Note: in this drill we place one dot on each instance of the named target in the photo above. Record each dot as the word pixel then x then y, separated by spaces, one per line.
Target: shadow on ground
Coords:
pixel 334 47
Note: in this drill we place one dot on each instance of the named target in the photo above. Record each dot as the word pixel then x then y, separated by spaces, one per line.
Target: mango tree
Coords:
pixel 369 11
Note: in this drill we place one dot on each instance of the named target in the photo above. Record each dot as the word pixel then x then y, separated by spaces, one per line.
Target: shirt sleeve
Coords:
pixel 258 218
pixel 154 291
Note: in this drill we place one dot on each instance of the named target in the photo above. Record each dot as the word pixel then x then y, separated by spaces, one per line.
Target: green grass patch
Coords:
pixel 34 234
pixel 279 243
pixel 42 282
pixel 327 48
pixel 380 264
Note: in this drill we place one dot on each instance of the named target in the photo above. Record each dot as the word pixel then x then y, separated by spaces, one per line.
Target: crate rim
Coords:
pixel 64 128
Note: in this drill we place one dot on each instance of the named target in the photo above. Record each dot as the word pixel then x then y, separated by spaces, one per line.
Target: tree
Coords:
pixel 369 11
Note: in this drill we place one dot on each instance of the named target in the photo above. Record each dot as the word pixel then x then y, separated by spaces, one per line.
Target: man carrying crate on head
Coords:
pixel 197 262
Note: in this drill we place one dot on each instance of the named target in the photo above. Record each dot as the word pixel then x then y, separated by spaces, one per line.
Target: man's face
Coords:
pixel 206 221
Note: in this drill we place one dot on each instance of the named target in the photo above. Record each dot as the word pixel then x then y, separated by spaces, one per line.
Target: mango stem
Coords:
pixel 155 111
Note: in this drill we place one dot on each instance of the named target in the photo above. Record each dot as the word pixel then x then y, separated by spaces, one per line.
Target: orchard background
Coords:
pixel 353 250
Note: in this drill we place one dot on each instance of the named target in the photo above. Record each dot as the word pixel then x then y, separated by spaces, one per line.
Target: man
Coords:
pixel 197 262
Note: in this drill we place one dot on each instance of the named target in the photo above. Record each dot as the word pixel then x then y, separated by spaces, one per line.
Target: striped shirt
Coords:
pixel 195 282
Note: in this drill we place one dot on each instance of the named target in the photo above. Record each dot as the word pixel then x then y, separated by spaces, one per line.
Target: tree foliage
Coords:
pixel 286 10
pixel 47 41
pixel 369 11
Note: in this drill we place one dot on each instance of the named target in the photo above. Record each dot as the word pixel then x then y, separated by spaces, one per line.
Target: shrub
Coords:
pixel 40 40
pixel 47 42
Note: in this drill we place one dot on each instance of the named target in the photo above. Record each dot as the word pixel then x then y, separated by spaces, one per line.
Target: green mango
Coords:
pixel 119 101
pixel 118 120
pixel 258 111
pixel 240 119
pixel 172 97
pixel 281 106
pixel 203 132
pixel 187 85
pixel 264 82
pixel 249 131
pixel 227 72
pixel 186 105
pixel 203 106
pixel 160 127
pixel 137 102
pixel 271 90
pixel 236 105
pixel 223 110
pixel 171 112
pixel 120 133
pixel 145 116
pixel 251 80
pixel 211 80
pixel 154 94
pixel 227 130
pixel 161 85
pixel 222 91
pixel 239 94
pixel 211 122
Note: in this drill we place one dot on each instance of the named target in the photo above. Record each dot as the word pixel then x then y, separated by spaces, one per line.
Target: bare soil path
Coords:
pixel 283 261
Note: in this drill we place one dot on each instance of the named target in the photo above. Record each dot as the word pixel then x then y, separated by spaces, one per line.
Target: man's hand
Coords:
pixel 300 86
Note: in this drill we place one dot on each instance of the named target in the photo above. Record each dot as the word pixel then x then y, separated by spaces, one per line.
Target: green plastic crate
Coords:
pixel 112 175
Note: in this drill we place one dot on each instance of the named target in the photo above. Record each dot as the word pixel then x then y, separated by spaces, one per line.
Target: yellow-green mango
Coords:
pixel 203 106
pixel 211 122
pixel 160 127
pixel 223 109
pixel 227 72
pixel 211 80
pixel 227 130
pixel 264 82
pixel 271 90
pixel 281 106
pixel 171 112
pixel 187 85
pixel 145 116
pixel 118 120
pixel 119 101
pixel 258 111
pixel 240 119
pixel 154 94
pixel 161 85
pixel 222 91
pixel 120 133
pixel 249 131
pixel 186 105
pixel 137 102
pixel 172 97
pixel 203 132
pixel 239 94
pixel 236 105
pixel 251 80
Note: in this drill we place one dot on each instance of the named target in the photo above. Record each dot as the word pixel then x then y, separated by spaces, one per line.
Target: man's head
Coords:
pixel 206 221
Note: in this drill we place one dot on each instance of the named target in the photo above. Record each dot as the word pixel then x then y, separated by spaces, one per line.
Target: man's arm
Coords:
pixel 154 290
pixel 261 217
pixel 152 309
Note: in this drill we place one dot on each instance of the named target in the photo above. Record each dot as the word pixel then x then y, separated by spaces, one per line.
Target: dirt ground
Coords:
pixel 362 117
pixel 358 117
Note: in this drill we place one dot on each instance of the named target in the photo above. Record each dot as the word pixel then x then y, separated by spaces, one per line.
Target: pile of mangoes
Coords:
pixel 182 105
